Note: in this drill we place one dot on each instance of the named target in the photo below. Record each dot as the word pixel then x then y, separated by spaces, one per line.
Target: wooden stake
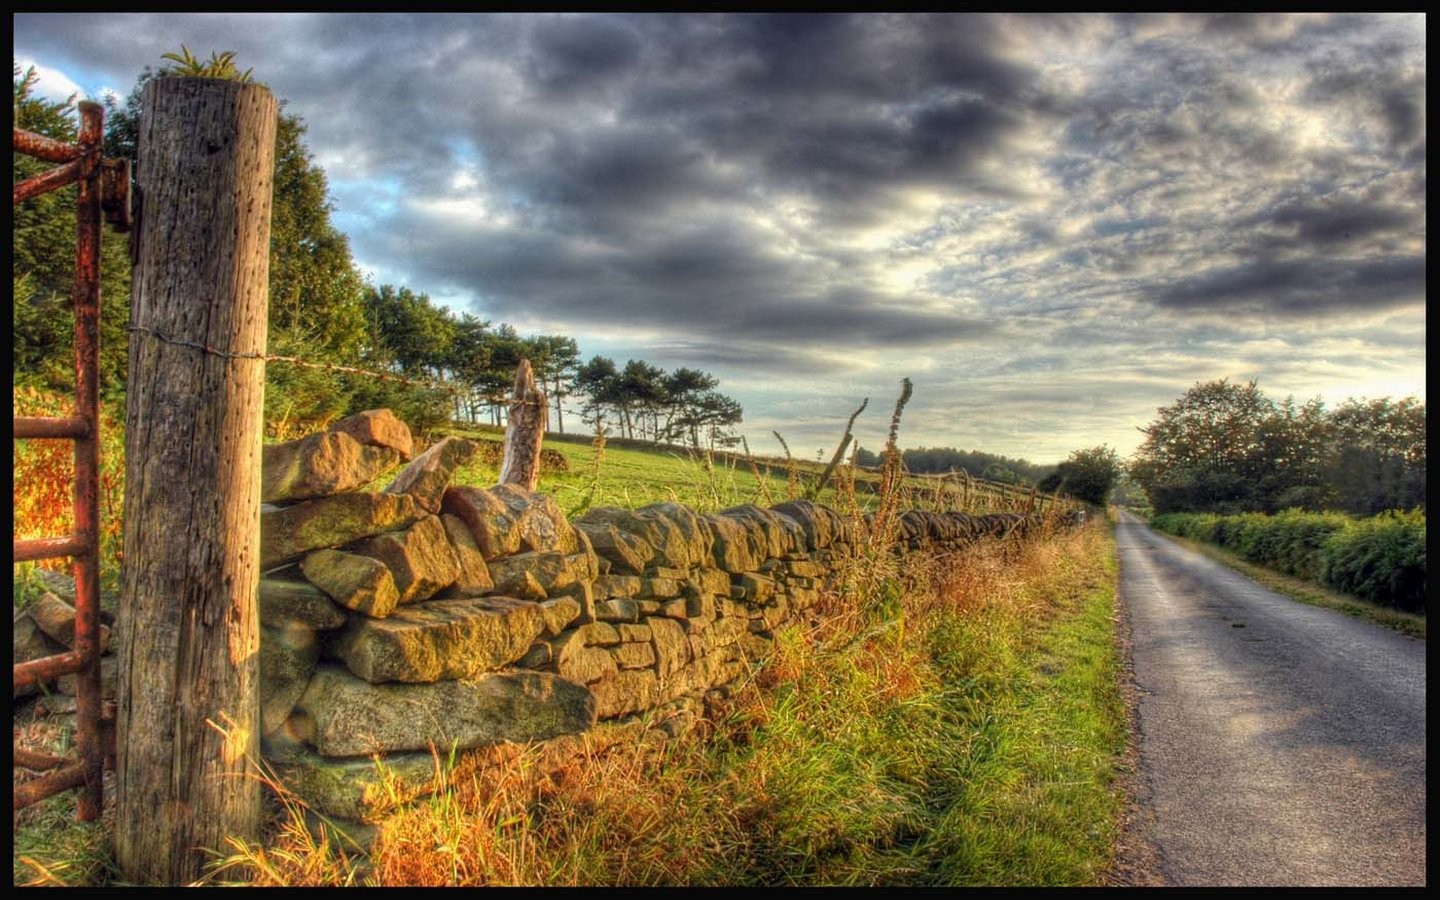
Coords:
pixel 525 432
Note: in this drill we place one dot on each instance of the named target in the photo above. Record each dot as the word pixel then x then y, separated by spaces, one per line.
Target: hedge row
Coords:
pixel 1381 558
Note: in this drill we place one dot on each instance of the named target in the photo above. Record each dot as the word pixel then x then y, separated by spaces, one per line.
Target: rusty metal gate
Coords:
pixel 103 190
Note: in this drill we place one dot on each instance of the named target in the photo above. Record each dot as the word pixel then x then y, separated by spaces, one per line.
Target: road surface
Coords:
pixel 1280 743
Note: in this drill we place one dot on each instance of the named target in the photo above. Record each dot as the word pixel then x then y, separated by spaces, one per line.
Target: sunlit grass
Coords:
pixel 970 742
pixel 954 726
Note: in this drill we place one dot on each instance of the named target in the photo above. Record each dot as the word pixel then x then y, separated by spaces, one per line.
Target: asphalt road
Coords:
pixel 1280 743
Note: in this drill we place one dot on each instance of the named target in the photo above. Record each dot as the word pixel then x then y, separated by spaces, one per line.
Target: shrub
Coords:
pixel 1380 559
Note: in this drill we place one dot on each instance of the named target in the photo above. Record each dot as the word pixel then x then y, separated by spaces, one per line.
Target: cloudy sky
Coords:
pixel 1052 224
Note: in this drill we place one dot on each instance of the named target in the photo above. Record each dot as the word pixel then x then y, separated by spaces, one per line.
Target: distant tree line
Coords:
pixel 990 466
pixel 323 310
pixel 1227 448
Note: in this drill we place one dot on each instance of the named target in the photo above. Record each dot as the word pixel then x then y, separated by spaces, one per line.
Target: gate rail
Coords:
pixel 103 191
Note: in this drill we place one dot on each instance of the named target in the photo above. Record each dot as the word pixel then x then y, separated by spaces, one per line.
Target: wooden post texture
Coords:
pixel 525 431
pixel 188 717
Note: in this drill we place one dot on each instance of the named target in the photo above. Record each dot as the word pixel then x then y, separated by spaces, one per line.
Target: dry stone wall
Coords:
pixel 428 614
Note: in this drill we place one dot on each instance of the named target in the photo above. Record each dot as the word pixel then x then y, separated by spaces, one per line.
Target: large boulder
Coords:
pixel 441 639
pixel 360 789
pixel 287 533
pixel 344 716
pixel 672 650
pixel 29 642
pixel 420 559
pixel 625 691
pixel 287 659
pixel 331 462
pixel 473 578
pixel 57 619
pixel 737 545
pixel 821 524
pixel 553 571
pixel 627 553
pixel 672 535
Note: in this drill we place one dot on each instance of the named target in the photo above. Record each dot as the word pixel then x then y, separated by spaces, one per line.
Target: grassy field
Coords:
pixel 955 724
pixel 623 474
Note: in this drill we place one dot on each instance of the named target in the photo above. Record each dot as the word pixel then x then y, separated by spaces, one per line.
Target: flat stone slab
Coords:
pixel 438 640
pixel 553 571
pixel 331 462
pixel 287 658
pixel 289 532
pixel 505 519
pixel 285 601
pixel 344 716
pixel 473 579
pixel 361 583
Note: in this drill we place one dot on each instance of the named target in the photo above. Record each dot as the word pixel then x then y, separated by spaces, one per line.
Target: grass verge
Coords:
pixel 961 727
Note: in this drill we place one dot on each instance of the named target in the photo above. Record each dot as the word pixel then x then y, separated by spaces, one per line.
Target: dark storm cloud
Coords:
pixel 1304 287
pixel 571 56
pixel 706 280
pixel 796 195
pixel 1350 220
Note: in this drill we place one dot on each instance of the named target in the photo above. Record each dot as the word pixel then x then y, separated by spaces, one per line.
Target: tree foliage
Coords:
pixel 1087 475
pixel 1227 448
pixel 935 460
pixel 645 401
pixel 322 310
pixel 43 262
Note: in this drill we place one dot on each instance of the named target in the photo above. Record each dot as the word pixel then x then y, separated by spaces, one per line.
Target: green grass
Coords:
pixel 629 476
pixel 1034 803
pixel 960 727
pixel 1309 592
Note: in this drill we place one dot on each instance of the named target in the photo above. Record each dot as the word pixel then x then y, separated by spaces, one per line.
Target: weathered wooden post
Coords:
pixel 525 431
pixel 189 677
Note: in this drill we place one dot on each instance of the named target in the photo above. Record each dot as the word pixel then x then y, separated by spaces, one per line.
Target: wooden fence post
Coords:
pixel 525 431
pixel 188 717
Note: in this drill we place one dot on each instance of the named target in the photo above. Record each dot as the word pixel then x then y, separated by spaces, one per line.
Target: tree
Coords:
pixel 640 392
pixel 1087 475
pixel 599 381
pixel 554 358
pixel 408 331
pixel 685 390
pixel 716 413
pixel 1227 448
pixel 1204 452
pixel 506 349
pixel 1375 456
pixel 470 359
pixel 43 262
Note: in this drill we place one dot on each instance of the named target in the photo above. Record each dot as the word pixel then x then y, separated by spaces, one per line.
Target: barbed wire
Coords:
pixel 447 386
